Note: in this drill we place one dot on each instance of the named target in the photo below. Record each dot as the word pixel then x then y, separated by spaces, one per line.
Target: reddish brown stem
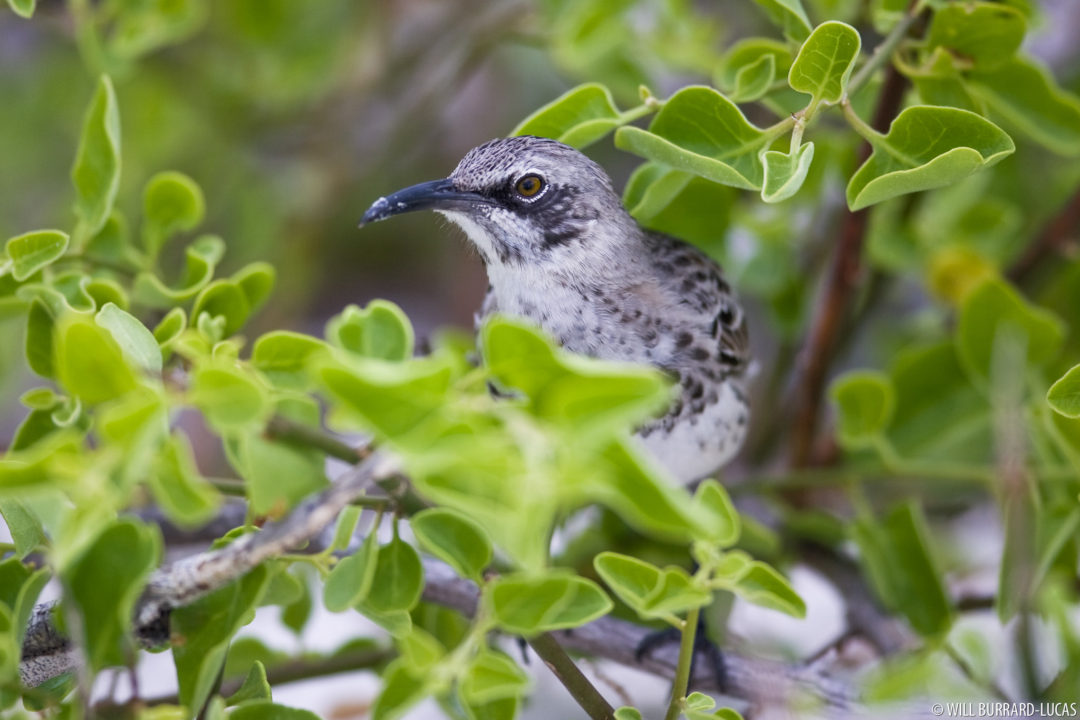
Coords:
pixel 1054 238
pixel 844 276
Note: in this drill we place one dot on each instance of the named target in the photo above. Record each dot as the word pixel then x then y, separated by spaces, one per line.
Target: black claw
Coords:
pixel 702 646
pixel 655 639
pixel 713 655
pixel 523 646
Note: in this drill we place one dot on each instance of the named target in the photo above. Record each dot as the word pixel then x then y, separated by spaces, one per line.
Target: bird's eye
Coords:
pixel 529 186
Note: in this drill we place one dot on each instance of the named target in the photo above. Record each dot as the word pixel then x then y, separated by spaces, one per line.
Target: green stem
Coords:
pixel 884 51
pixel 640 111
pixel 682 670
pixel 858 124
pixel 571 677
pixel 294 433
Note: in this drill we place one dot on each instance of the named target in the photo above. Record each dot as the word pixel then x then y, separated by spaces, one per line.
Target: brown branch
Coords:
pixel 1055 238
pixel 844 276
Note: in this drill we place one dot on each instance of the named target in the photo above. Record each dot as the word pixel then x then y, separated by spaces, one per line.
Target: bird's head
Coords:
pixel 520 200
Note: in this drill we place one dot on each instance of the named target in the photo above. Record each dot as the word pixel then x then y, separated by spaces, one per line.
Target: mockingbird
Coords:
pixel 562 252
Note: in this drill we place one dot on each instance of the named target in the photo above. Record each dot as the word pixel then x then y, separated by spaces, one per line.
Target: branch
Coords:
pixel 47 653
pixel 1054 238
pixel 843 277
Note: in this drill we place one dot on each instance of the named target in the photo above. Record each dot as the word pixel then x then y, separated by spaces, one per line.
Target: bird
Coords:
pixel 562 252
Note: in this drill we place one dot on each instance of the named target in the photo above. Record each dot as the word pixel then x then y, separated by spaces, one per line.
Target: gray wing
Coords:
pixel 701 286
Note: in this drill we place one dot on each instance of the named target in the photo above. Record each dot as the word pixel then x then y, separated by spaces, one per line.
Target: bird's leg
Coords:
pixel 523 648
pixel 702 645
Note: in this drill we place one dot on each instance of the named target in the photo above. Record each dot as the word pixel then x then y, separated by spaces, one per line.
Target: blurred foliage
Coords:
pixel 253 126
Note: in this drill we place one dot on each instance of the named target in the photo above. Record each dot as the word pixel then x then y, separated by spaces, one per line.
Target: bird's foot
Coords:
pixel 703 648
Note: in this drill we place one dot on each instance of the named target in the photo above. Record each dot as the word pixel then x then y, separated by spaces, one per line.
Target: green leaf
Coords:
pixel 350 581
pixel 681 204
pixel 531 604
pixel 226 299
pixel 254 687
pixel 1064 395
pixel 172 202
pixel 9 651
pixel 785 172
pixel 22 8
pixel 421 650
pixel 824 63
pixel 982 33
pixel 146 26
pixel 789 16
pixel 296 614
pixel 453 538
pixel 104 583
pixel 186 498
pixel 284 357
pixel 31 468
pixel 754 80
pixel 96 173
pixel 493 676
pixel 399 578
pixel 747 72
pixel 578 117
pixel 702 132
pixel 23 525
pixel 345 527
pixel 569 390
pixel 25 600
pixel 170 327
pixel 1024 94
pixel 895 552
pixel 256 281
pixel 622 479
pixel 400 691
pixel 40 351
pixel 648 590
pixel 391 399
pixel 201 257
pixel 278 475
pixel 723 526
pixel 203 629
pixel 995 308
pixel 381 331
pixel 764 586
pixel 135 340
pixel 628 713
pixel 32 251
pixel 865 401
pixel 230 398
pixel 104 291
pixel 266 710
pixel 925 148
pixel 89 363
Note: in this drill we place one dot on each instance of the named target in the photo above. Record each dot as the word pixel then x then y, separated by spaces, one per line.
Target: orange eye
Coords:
pixel 529 186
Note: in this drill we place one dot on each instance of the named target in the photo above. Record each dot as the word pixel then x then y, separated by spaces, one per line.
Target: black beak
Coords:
pixel 434 195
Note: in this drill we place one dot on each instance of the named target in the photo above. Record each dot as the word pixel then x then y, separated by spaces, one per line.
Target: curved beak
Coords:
pixel 434 195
